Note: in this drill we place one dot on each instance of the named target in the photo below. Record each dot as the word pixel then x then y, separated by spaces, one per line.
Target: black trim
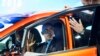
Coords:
pixel 95 33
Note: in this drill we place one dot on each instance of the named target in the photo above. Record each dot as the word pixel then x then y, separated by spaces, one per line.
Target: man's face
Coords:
pixel 86 2
pixel 47 36
pixel 89 2
pixel 48 33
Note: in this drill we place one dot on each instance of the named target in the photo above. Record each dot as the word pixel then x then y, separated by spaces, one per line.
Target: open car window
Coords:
pixel 86 16
pixel 34 33
pixel 12 42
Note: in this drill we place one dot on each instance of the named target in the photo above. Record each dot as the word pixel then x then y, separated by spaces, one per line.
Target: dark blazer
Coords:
pixel 86 21
pixel 55 45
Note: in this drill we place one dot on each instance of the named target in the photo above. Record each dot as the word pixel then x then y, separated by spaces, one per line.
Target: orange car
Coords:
pixel 15 39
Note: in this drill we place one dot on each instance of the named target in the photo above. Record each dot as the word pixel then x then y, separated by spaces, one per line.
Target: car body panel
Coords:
pixel 80 52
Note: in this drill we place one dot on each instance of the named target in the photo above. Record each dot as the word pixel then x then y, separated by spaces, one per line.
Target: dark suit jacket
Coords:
pixel 55 45
pixel 87 21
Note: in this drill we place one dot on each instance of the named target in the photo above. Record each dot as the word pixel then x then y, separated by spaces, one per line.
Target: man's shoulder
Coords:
pixel 55 41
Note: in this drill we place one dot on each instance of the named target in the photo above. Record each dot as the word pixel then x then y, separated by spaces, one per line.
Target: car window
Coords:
pixel 38 38
pixel 12 42
pixel 17 39
pixel 82 39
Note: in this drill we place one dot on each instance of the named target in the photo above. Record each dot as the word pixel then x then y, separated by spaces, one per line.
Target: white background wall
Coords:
pixel 28 6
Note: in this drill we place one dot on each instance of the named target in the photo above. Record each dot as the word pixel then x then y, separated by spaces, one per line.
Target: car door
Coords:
pixel 79 45
pixel 73 44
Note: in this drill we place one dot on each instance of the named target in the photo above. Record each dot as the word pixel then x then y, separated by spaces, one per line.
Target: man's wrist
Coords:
pixel 82 32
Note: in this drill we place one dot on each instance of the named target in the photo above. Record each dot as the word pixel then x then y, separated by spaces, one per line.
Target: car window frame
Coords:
pixel 59 14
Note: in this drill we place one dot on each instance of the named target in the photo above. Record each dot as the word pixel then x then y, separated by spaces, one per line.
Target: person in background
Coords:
pixel 85 18
pixel 80 21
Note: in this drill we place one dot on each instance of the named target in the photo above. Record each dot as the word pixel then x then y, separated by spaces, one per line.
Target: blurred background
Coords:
pixel 12 11
pixel 31 6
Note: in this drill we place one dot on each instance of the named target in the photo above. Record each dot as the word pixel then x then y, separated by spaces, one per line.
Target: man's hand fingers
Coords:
pixel 80 21
pixel 74 20
pixel 71 22
pixel 72 26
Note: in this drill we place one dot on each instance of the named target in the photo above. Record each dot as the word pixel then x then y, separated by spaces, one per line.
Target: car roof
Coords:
pixel 24 22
